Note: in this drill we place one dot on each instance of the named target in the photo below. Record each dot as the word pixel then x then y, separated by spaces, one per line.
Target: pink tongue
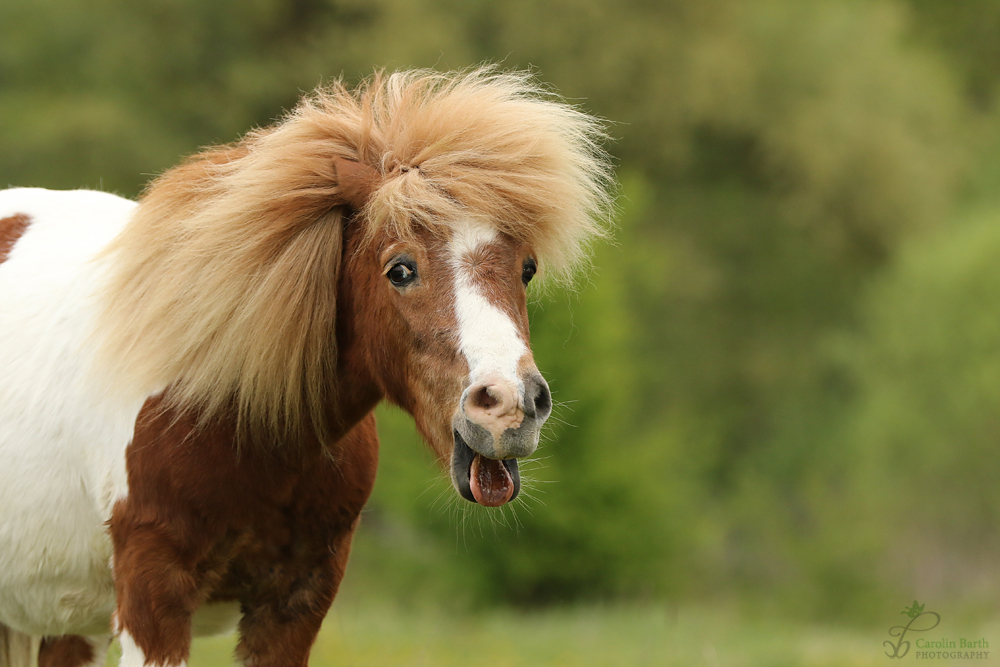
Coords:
pixel 490 482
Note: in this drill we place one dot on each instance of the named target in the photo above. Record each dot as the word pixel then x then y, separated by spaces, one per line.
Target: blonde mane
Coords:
pixel 223 284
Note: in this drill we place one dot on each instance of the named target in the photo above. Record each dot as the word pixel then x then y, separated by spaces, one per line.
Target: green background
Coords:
pixel 777 391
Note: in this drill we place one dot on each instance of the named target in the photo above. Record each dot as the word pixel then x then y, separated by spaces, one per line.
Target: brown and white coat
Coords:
pixel 187 383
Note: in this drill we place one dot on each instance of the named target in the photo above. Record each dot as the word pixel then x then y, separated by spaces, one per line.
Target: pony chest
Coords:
pixel 249 523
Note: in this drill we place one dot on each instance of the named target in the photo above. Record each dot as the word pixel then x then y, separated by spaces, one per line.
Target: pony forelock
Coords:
pixel 223 284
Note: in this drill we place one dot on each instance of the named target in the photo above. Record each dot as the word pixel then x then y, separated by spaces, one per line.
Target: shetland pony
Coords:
pixel 187 382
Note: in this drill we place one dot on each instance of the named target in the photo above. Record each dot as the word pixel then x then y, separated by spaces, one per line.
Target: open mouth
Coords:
pixel 483 480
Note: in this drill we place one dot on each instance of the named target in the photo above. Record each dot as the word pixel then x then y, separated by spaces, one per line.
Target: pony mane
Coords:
pixel 223 284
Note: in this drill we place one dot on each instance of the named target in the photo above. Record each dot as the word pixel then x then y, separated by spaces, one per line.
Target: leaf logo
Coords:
pixel 901 646
pixel 915 610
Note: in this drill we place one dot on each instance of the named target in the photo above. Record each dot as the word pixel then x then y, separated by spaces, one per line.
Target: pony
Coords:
pixel 187 382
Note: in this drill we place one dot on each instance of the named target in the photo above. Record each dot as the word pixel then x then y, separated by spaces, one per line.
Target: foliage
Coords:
pixel 924 429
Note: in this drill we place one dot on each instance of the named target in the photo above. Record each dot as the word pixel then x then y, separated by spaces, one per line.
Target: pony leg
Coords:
pixel 156 597
pixel 17 649
pixel 73 651
pixel 279 631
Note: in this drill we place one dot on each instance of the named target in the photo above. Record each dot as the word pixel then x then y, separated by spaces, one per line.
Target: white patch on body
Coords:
pixel 62 437
pixel 133 656
pixel 488 337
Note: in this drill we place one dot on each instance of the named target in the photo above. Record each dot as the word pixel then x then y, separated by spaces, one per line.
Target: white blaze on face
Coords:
pixel 488 337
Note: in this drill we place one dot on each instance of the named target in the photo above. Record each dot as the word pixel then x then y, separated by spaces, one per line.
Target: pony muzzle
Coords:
pixel 496 425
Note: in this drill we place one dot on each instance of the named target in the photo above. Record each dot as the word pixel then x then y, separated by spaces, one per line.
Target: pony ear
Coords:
pixel 356 181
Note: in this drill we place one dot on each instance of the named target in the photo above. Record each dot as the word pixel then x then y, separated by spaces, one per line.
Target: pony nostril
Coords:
pixel 543 402
pixel 486 399
pixel 542 399
pixel 483 399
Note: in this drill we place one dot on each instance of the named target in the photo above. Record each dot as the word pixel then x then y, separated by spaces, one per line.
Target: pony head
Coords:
pixel 375 243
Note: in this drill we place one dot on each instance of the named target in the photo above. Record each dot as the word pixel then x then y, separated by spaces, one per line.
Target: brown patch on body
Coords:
pixel 66 651
pixel 11 229
pixel 205 521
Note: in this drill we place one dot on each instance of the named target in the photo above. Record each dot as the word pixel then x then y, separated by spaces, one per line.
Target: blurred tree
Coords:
pixel 967 31
pixel 925 431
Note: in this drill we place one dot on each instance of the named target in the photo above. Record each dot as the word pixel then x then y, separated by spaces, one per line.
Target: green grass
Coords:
pixel 360 634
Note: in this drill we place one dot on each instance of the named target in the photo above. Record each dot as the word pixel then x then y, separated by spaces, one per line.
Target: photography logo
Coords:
pixel 931 648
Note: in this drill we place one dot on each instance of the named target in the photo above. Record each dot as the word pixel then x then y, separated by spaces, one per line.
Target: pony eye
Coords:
pixel 400 274
pixel 528 271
